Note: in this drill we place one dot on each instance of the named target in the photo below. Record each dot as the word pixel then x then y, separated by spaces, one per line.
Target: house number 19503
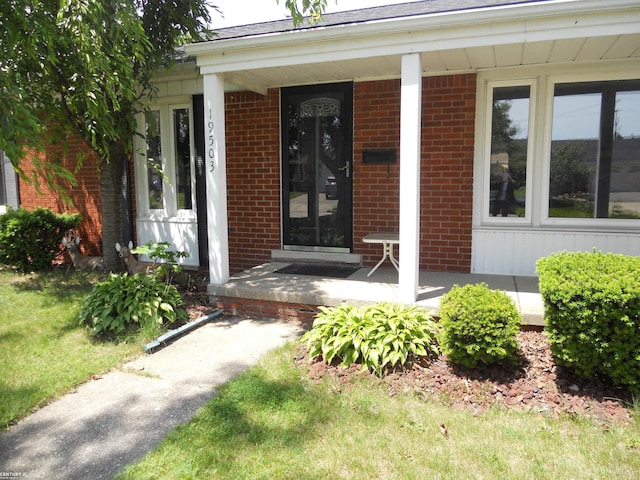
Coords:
pixel 211 155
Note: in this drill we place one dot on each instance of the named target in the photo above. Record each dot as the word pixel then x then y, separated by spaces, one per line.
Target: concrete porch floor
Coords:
pixel 262 283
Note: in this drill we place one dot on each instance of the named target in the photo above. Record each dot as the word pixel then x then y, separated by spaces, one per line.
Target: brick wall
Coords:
pixel 252 308
pixel 253 177
pixel 376 187
pixel 448 109
pixel 85 196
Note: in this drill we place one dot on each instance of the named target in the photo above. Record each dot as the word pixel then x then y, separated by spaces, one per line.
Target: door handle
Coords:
pixel 345 169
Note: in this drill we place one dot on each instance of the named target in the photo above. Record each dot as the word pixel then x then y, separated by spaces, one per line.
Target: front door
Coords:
pixel 317 166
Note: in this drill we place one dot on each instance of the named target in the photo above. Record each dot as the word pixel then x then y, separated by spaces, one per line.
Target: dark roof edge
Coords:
pixel 385 12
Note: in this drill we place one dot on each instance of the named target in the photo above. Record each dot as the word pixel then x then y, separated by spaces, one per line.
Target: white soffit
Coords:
pixel 524 34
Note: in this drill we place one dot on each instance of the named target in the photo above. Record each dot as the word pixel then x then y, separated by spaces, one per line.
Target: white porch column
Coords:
pixel 216 179
pixel 410 130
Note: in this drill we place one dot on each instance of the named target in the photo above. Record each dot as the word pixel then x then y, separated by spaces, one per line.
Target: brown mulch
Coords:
pixel 535 384
pixel 192 287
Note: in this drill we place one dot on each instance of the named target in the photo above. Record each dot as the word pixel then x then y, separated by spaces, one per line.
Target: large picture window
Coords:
pixel 595 140
pixel 509 144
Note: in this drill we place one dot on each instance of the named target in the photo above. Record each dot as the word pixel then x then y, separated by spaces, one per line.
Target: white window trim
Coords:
pixel 486 155
pixel 170 210
pixel 608 223
pixel 541 114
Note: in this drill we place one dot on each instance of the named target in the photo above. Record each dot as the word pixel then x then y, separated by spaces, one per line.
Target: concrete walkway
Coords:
pixel 112 421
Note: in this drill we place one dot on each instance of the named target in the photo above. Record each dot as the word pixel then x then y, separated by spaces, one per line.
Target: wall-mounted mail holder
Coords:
pixel 378 156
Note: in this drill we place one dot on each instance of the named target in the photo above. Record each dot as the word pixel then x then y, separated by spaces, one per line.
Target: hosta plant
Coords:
pixel 380 337
pixel 125 304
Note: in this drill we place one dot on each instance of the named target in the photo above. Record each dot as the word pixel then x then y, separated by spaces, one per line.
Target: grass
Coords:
pixel 43 351
pixel 274 422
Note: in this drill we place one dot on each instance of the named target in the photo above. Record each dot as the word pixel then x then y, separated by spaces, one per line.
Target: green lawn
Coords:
pixel 43 351
pixel 273 422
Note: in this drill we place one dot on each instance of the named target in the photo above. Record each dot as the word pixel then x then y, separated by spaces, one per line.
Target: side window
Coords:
pixel 182 156
pixel 168 167
pixel 3 195
pixel 595 139
pixel 154 159
pixel 509 150
pixel 9 191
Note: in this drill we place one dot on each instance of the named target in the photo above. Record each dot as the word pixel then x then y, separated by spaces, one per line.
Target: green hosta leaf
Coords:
pixel 123 303
pixel 380 335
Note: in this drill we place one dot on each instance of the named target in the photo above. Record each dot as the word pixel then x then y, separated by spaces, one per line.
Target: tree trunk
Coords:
pixel 112 198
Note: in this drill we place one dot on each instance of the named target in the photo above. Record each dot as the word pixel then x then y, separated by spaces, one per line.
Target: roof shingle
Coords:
pixel 402 10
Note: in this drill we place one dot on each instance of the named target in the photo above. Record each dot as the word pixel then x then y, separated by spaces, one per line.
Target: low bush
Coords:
pixel 479 325
pixel 30 239
pixel 125 304
pixel 165 259
pixel 592 313
pixel 381 336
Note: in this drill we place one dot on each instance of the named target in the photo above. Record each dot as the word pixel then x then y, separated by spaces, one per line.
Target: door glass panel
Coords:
pixel 318 163
pixel 154 158
pixel 182 140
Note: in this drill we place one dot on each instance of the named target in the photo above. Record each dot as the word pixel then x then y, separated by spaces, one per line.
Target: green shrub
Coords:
pixel 379 336
pixel 592 313
pixel 30 240
pixel 479 325
pixel 124 304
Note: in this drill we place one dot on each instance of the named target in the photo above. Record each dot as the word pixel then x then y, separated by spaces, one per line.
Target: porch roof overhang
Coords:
pixel 531 33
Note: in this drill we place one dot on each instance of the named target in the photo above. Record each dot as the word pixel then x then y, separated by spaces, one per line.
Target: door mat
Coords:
pixel 319 270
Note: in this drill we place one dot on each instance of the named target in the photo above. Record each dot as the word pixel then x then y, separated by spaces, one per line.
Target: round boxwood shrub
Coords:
pixel 592 313
pixel 479 325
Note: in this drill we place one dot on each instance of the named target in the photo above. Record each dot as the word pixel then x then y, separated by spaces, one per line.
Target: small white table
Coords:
pixel 387 240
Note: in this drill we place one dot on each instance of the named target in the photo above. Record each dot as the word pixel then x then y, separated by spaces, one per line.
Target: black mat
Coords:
pixel 319 270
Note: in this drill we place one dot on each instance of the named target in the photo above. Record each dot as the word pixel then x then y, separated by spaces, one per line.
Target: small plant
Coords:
pixel 167 260
pixel 379 336
pixel 123 304
pixel 30 239
pixel 479 326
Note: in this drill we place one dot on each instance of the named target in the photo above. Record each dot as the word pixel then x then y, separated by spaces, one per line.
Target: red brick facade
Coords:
pixel 253 308
pixel 254 183
pixel 85 196
pixel 448 126
pixel 253 177
pixel 448 106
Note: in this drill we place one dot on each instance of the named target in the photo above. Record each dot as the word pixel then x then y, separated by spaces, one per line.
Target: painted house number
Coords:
pixel 211 155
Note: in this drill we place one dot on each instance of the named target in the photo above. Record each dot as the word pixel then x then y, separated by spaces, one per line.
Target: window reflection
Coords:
pixel 595 164
pixel 509 141
pixel 154 158
pixel 183 157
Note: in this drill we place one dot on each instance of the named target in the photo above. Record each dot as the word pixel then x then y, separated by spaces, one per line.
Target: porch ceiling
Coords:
pixel 439 62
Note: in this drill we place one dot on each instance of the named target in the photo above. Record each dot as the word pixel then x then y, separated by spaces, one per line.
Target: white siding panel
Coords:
pixel 515 252
pixel 182 235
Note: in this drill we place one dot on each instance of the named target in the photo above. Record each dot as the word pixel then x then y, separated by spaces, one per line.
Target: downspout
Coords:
pixel 172 334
